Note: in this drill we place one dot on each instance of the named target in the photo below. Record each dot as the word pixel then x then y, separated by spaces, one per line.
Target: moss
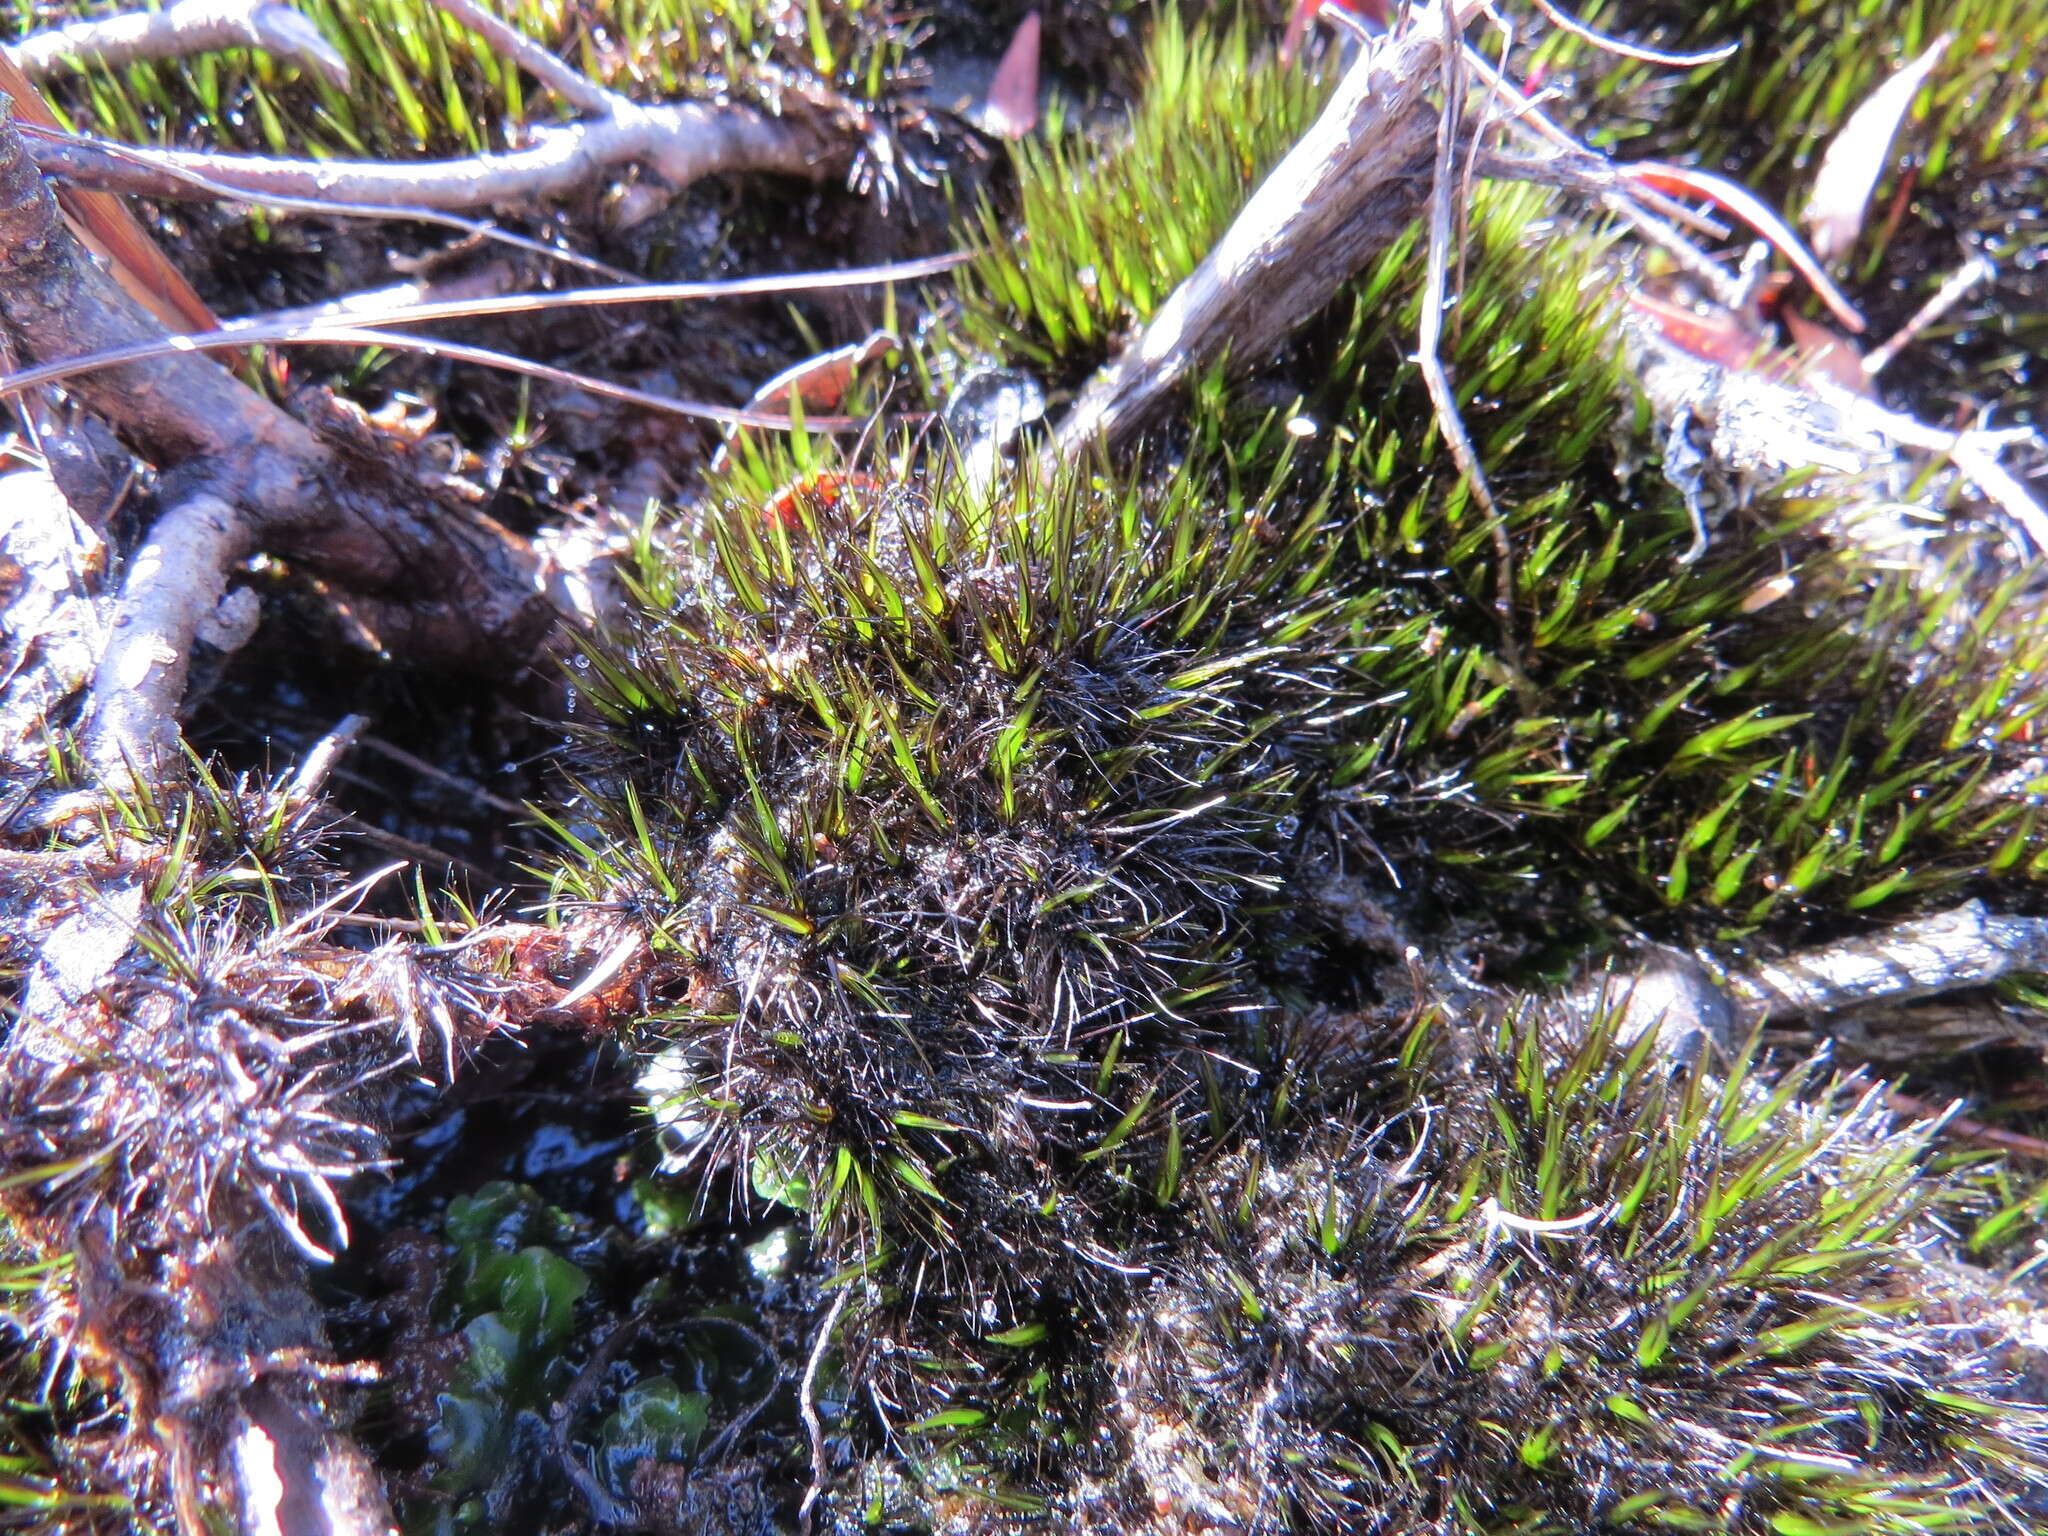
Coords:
pixel 1966 170
pixel 970 854
pixel 1570 1287
pixel 931 802
pixel 48 1480
pixel 1685 739
pixel 1105 225
pixel 1801 69
pixel 175 1134
pixel 976 842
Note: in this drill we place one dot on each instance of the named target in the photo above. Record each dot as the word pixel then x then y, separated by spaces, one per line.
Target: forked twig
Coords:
pixel 680 142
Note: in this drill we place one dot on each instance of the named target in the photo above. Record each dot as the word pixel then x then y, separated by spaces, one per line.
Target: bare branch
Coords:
pixel 1973 451
pixel 174 582
pixel 310 776
pixel 56 304
pixel 1967 947
pixel 680 141
pixel 1345 191
pixel 807 1407
pixel 178 31
pixel 446 582
pixel 180 184
pixel 104 223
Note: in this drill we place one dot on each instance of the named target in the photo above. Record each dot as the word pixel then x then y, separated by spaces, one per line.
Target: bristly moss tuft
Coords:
pixel 1108 230
pixel 1791 726
pixel 975 840
pixel 945 817
pixel 1572 1288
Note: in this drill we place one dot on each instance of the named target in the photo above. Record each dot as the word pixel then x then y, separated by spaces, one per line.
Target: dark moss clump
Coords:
pixel 179 1105
pixel 58 1459
pixel 961 833
pixel 946 817
pixel 975 854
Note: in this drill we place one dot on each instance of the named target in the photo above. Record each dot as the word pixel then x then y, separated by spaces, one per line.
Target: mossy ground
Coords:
pixel 1089 925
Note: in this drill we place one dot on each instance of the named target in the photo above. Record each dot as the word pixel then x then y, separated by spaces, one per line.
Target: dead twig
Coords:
pixel 187 185
pixel 678 141
pixel 425 769
pixel 319 762
pixel 302 334
pixel 178 31
pixel 681 142
pixel 446 580
pixel 104 223
pixel 1974 451
pixel 1969 946
pixel 353 326
pixel 596 1497
pixel 1346 190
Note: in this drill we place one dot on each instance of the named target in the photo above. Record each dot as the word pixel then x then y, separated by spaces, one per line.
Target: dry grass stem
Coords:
pixel 1429 344
pixel 1564 21
pixel 1944 298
